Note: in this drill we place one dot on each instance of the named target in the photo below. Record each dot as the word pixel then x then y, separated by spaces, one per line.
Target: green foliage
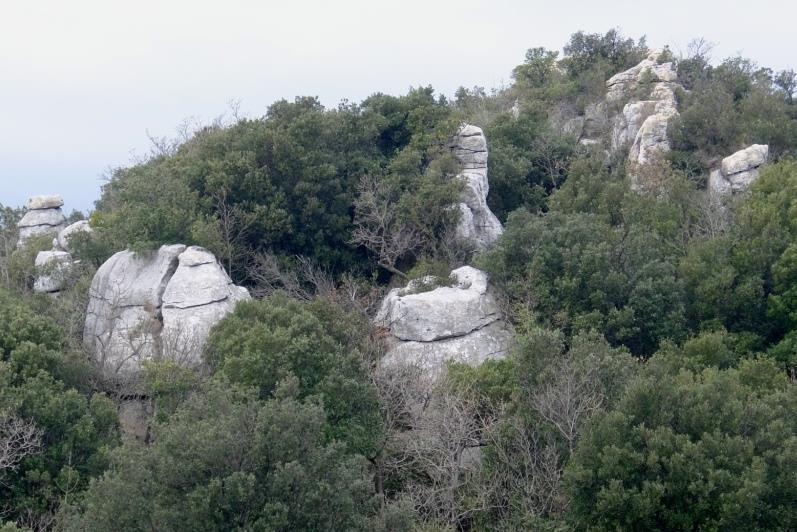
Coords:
pixel 743 281
pixel 656 332
pixel 284 183
pixel 21 269
pixel 591 58
pixel 527 161
pixel 580 273
pixel 8 240
pixel 729 107
pixel 39 382
pixel 713 449
pixel 266 341
pixel 227 461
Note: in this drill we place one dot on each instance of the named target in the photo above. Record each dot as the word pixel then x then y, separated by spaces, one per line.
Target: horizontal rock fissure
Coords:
pixel 177 304
pixel 495 317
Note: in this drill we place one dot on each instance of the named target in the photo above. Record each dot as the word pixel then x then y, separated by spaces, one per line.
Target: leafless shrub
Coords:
pixel 378 226
pixel 568 398
pixel 18 438
pixel 525 470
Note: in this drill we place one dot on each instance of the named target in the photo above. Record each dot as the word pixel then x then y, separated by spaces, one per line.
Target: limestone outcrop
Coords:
pixel 647 94
pixel 621 85
pixel 156 305
pixel 738 171
pixel 461 322
pixel 43 217
pixel 644 119
pixel 477 225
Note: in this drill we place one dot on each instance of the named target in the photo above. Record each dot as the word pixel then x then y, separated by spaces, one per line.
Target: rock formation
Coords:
pixel 53 267
pixel 43 217
pixel 477 225
pixel 647 93
pixel 156 305
pixel 643 121
pixel 52 271
pixel 461 322
pixel 621 85
pixel 738 171
pixel 65 235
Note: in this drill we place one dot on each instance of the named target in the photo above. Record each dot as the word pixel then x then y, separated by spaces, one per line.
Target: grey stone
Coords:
pixel 441 313
pixel 747 159
pixel 628 123
pixel 52 269
pixel 461 323
pixel 491 342
pixel 738 171
pixel 479 227
pixel 44 202
pixel 623 84
pixel 156 305
pixel 39 223
pixel 62 240
pixel 53 218
pixel 199 295
pixel 135 419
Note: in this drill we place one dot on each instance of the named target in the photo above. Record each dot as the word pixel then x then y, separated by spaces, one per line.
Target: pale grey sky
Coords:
pixel 82 81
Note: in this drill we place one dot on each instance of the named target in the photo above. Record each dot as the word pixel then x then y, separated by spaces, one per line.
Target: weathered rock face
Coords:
pixel 198 295
pixel 135 415
pixel 38 203
pixel 43 217
pixel 53 268
pixel 157 305
pixel 621 85
pixel 478 225
pixel 738 171
pixel 643 122
pixel 62 240
pixel 460 322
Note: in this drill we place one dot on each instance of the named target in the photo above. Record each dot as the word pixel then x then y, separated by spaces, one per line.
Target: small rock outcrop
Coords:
pixel 53 269
pixel 647 94
pixel 477 225
pixel 621 85
pixel 43 217
pixel 61 241
pixel 738 171
pixel 461 322
pixel 644 119
pixel 156 305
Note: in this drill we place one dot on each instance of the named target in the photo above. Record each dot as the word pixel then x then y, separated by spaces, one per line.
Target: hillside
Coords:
pixel 562 304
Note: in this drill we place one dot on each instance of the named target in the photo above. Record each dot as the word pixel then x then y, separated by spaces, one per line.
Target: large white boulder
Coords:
pixel 445 312
pixel 477 225
pixel 198 295
pixel 140 308
pixel 628 123
pixel 461 322
pixel 738 171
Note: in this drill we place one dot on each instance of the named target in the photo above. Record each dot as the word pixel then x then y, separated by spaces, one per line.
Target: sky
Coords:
pixel 85 84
